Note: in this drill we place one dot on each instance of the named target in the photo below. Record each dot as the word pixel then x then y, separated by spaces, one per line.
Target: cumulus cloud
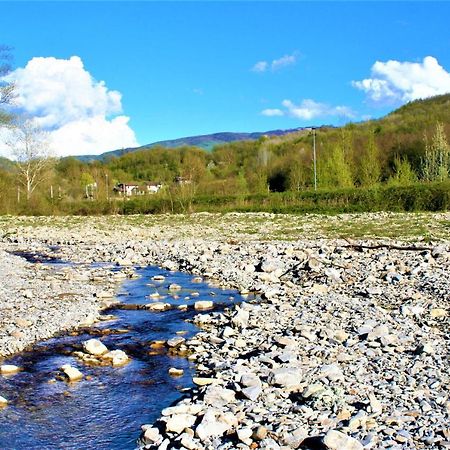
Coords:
pixel 81 114
pixel 309 109
pixel 276 64
pixel 395 81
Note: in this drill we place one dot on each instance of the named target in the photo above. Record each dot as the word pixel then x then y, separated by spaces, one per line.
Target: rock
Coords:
pixel 176 341
pixel 215 423
pixel 438 251
pixel 24 323
pixel 335 440
pixel 9 369
pixel 218 396
pixel 340 336
pixel 187 441
pixel 174 287
pixel 201 381
pixel 313 389
pixel 259 433
pixel 287 377
pixel 94 347
pixel 333 274
pixel 176 372
pixel 179 422
pixel 294 438
pixel 203 305
pixel 72 373
pixel 158 278
pixel 375 405
pixel 438 312
pixel 240 319
pixel 152 436
pixel 118 357
pixel 159 306
pixel 331 371
pixel 244 435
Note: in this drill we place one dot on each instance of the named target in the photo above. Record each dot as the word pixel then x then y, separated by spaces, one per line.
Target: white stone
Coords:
pixel 203 305
pixel 72 373
pixel 7 369
pixel 289 377
pixel 335 440
pixel 244 435
pixel 158 306
pixel 219 396
pixel 152 436
pixel 215 424
pixel 179 422
pixel 95 347
pixel 117 357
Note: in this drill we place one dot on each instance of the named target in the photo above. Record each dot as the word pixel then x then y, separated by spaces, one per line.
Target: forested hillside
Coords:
pixel 409 145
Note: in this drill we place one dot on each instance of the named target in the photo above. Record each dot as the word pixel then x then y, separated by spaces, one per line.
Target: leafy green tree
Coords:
pixel 370 167
pixel 336 171
pixel 436 162
pixel 403 174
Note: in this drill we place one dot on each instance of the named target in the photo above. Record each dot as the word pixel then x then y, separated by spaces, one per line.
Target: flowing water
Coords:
pixel 106 409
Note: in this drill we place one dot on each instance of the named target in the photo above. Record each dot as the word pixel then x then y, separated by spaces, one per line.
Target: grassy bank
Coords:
pixel 415 197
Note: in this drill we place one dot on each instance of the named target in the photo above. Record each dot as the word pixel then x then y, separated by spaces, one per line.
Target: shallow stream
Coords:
pixel 106 409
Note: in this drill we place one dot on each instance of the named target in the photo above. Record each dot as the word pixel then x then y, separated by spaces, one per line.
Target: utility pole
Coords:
pixel 314 158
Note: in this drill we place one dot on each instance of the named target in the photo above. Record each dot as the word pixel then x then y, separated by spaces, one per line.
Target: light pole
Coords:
pixel 314 158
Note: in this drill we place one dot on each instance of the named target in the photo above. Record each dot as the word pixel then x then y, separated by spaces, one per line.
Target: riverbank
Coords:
pixel 349 347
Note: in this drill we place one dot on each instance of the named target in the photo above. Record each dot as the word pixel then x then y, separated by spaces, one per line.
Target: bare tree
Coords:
pixel 30 148
pixel 6 87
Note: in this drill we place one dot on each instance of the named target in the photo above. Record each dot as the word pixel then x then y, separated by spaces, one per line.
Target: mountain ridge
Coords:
pixel 203 141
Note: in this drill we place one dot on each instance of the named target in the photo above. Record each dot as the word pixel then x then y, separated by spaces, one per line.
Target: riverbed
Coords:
pixel 106 409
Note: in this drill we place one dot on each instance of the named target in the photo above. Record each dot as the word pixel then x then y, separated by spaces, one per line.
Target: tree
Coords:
pixel 403 172
pixel 436 163
pixel 6 87
pixel 336 171
pixel 31 150
pixel 370 167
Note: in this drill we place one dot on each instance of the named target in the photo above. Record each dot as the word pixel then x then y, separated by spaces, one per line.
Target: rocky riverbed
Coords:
pixel 347 349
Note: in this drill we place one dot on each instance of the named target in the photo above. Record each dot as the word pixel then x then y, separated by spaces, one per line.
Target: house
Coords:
pixel 152 188
pixel 182 180
pixel 127 189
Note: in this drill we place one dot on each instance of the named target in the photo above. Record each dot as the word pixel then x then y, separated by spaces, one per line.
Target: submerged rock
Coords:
pixel 72 373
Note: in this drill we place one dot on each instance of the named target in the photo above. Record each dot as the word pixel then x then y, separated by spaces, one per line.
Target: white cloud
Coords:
pixel 284 61
pixel 81 114
pixel 276 64
pixel 272 112
pixel 260 66
pixel 397 81
pixel 309 109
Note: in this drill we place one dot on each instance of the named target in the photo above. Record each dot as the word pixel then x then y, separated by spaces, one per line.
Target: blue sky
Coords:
pixel 173 69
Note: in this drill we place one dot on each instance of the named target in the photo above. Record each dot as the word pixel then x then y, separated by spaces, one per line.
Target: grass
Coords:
pixel 424 227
